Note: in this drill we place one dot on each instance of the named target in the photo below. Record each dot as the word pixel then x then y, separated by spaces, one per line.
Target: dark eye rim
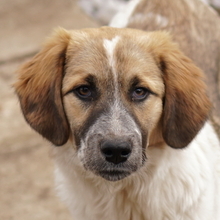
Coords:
pixel 142 97
pixel 81 96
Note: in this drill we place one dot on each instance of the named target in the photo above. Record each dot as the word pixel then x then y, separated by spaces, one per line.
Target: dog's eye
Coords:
pixel 83 92
pixel 139 94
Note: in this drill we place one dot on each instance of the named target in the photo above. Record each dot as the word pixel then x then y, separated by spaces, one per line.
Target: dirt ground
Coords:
pixel 26 167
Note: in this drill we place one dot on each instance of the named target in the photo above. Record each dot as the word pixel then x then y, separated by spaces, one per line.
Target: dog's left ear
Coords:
pixel 186 105
pixel 39 89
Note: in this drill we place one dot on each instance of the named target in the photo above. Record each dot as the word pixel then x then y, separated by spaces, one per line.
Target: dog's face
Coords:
pixel 112 93
pixel 108 87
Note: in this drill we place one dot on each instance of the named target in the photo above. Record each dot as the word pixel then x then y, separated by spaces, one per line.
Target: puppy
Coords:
pixel 129 111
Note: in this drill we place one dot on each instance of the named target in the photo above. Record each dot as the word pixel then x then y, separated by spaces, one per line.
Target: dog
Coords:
pixel 122 103
pixel 130 113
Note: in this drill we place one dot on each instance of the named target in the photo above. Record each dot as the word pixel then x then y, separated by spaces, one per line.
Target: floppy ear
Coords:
pixel 186 105
pixel 39 89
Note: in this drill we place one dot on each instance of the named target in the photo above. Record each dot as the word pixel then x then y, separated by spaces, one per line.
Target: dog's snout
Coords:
pixel 116 152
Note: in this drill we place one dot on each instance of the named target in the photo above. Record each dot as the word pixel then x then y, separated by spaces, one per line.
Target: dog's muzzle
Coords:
pixel 112 147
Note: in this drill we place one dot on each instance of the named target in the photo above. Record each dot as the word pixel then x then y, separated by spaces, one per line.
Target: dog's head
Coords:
pixel 112 93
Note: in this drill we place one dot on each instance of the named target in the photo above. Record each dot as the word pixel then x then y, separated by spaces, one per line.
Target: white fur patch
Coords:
pixel 120 20
pixel 161 20
pixel 109 46
pixel 102 10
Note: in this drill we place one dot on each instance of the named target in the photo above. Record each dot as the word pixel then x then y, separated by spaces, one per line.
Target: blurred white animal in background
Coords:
pixel 104 10
pixel 215 3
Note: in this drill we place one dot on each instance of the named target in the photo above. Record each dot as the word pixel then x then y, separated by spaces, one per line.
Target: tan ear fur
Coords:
pixel 39 89
pixel 186 105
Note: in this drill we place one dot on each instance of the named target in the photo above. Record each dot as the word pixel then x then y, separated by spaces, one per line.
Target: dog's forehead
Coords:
pixel 112 56
pixel 107 42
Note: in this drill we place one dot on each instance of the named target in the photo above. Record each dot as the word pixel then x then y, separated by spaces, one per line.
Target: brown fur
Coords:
pixel 186 104
pixel 39 90
pixel 182 108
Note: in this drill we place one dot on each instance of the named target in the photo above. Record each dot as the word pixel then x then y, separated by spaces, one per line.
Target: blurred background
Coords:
pixel 26 166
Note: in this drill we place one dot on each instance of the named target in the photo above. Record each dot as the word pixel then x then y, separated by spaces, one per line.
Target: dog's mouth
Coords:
pixel 114 175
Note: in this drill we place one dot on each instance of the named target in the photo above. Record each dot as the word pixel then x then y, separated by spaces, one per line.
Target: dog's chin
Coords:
pixel 113 175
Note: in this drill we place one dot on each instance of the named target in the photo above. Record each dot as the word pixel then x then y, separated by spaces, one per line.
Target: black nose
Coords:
pixel 115 151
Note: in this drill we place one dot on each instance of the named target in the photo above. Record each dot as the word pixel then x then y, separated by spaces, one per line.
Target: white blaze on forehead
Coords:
pixel 115 112
pixel 109 46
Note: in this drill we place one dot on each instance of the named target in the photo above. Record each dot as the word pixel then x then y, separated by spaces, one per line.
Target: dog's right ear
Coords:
pixel 39 89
